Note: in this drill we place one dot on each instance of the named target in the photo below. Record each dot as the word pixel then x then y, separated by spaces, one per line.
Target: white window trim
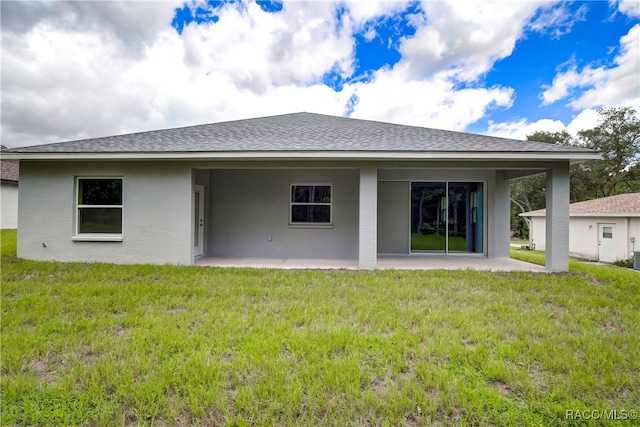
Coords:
pixel 310 224
pixel 95 237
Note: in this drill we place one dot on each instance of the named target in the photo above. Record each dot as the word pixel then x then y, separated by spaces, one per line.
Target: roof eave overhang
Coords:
pixel 308 155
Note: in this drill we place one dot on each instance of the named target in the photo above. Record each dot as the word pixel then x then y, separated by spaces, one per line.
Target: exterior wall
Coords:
pixel 499 213
pixel 583 236
pixel 538 233
pixel 8 206
pixel 393 217
pixel 557 204
pixel 246 210
pixel 368 218
pixel 248 206
pixel 157 212
pixel 634 231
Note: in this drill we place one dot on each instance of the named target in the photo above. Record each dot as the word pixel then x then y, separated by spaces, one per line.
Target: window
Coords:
pixel 99 206
pixel 607 232
pixel 310 204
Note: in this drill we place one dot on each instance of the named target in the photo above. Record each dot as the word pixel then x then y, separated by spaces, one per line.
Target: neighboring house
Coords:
pixel 292 186
pixel 9 194
pixel 606 229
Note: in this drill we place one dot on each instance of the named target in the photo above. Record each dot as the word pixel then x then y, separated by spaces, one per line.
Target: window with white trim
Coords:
pixel 310 204
pixel 99 206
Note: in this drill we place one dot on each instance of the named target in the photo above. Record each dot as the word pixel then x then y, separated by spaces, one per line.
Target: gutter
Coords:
pixel 308 155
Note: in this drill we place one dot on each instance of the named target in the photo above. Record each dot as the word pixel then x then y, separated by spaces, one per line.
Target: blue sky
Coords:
pixel 508 68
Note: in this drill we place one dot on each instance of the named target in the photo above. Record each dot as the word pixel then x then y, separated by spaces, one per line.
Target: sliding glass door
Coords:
pixel 447 217
pixel 428 216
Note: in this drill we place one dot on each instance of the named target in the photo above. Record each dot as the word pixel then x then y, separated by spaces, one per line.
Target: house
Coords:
pixel 9 172
pixel 297 185
pixel 606 229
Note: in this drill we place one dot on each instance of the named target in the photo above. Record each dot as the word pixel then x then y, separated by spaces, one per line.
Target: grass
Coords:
pixel 434 242
pixel 8 238
pixel 602 271
pixel 519 242
pixel 99 344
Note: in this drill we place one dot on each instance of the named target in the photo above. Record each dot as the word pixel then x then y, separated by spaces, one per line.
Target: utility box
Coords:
pixel 636 260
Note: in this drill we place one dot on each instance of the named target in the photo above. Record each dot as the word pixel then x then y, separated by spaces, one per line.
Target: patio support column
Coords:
pixel 500 218
pixel 557 220
pixel 368 218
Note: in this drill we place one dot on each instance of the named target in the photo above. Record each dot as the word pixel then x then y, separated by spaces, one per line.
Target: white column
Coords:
pixel 368 219
pixel 499 220
pixel 557 220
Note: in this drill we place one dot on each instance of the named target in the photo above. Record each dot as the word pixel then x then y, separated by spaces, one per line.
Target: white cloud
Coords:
pixel 69 74
pixel 587 119
pixel 259 50
pixel 63 83
pixel 621 83
pixel 521 128
pixel 430 102
pixel 465 38
pixel 132 24
pixel 362 11
pixel 86 69
pixel 605 85
pixel 628 7
pixel 558 19
pixel 567 81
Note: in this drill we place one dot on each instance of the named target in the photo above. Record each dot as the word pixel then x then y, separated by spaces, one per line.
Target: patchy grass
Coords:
pixel 98 344
pixel 8 238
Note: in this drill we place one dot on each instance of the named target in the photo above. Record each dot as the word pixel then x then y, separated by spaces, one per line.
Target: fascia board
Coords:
pixel 307 155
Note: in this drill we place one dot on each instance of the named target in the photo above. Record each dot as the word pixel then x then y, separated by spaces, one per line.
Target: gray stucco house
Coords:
pixel 292 186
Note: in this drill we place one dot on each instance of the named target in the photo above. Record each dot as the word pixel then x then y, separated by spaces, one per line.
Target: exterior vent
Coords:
pixel 636 260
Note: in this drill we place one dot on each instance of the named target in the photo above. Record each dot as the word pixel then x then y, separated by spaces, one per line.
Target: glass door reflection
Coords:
pixel 428 216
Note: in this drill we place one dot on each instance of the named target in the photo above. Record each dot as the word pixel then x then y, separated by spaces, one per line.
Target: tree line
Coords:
pixel 617 137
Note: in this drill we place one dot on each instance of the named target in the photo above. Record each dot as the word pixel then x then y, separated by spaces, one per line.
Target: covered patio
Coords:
pixel 387 262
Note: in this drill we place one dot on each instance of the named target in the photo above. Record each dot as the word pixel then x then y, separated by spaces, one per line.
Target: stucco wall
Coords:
pixel 8 206
pixel 583 235
pixel 537 233
pixel 393 217
pixel 634 231
pixel 157 212
pixel 249 206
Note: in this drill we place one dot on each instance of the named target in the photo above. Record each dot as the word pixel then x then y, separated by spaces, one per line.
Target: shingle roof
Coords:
pixel 622 204
pixel 9 171
pixel 298 132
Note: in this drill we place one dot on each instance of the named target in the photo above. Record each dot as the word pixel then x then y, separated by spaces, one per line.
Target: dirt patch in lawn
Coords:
pixel 42 372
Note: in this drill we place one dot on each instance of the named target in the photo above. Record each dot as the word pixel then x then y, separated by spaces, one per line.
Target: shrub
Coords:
pixel 628 263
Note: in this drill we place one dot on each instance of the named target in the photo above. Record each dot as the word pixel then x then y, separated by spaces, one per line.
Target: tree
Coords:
pixel 528 193
pixel 617 137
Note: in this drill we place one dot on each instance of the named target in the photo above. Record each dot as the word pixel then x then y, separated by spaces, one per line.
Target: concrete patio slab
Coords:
pixel 417 262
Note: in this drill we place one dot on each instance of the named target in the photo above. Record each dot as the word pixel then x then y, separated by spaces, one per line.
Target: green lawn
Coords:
pixel 8 242
pixel 98 344
pixel 433 242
